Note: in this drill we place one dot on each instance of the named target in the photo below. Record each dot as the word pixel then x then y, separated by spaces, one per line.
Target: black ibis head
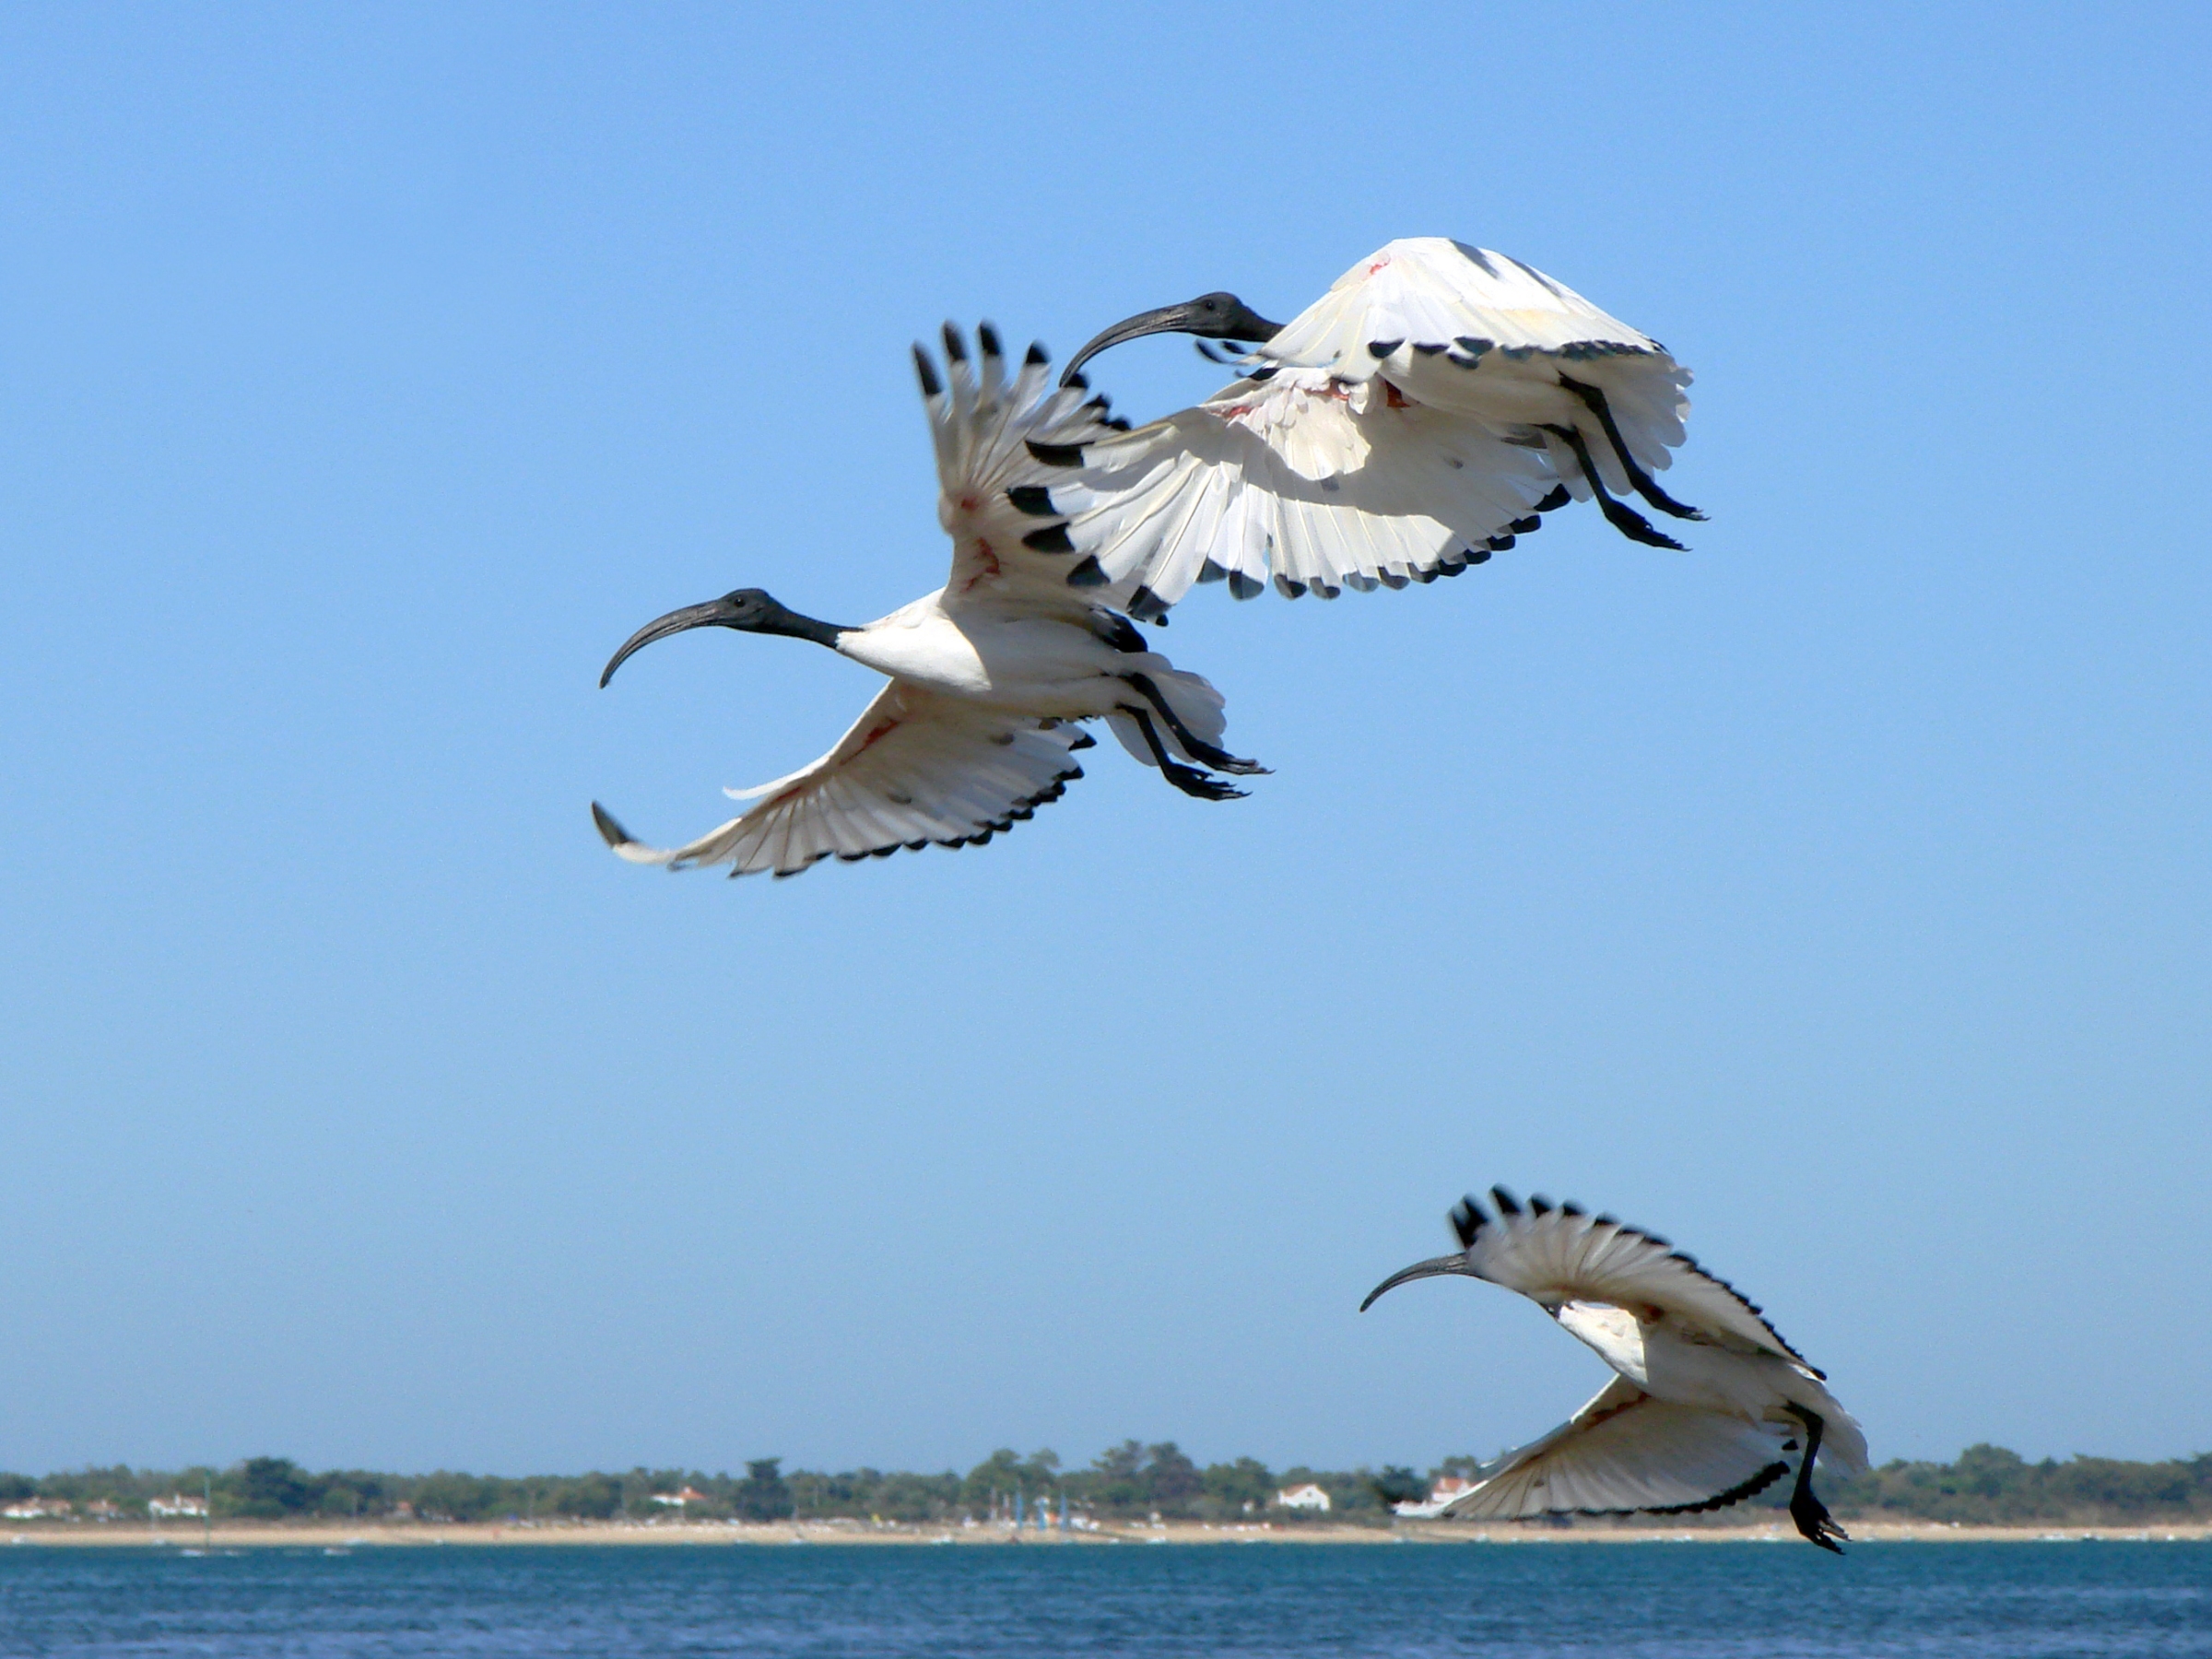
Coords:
pixel 1210 317
pixel 748 610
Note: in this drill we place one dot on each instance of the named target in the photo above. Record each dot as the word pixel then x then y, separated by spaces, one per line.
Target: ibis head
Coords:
pixel 1210 317
pixel 749 610
pixel 1455 1262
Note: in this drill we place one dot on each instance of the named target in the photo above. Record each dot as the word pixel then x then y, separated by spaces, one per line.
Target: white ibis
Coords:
pixel 1709 1401
pixel 1429 408
pixel 988 674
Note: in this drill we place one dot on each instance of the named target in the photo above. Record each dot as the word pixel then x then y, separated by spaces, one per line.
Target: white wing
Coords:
pixel 1010 540
pixel 1418 418
pixel 1482 335
pixel 916 768
pixel 1555 1254
pixel 1300 476
pixel 1626 1452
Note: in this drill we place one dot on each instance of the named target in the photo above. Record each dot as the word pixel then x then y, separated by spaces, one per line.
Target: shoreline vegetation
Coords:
pixel 338 1538
pixel 1132 1492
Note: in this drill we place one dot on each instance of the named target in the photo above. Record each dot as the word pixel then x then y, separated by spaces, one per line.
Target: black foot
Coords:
pixel 1619 514
pixel 1203 785
pixel 1188 779
pixel 1814 1520
pixel 1644 484
pixel 1221 760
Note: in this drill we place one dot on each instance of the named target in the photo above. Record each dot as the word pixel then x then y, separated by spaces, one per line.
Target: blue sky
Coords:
pixel 1832 897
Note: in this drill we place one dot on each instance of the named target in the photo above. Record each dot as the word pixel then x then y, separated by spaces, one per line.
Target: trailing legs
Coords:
pixel 1811 1515
pixel 1188 779
pixel 1193 745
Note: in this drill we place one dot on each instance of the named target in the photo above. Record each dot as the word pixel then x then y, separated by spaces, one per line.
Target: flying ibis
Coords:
pixel 989 677
pixel 1709 1404
pixel 1427 410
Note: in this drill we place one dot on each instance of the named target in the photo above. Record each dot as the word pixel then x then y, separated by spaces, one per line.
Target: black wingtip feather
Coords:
pixel 954 346
pixel 931 385
pixel 1036 355
pixel 988 336
pixel 1467 1221
pixel 1507 1204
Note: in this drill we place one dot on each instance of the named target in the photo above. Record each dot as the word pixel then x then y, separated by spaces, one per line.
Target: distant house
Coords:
pixel 100 1508
pixel 176 1503
pixel 681 1498
pixel 1307 1497
pixel 1441 1493
pixel 35 1509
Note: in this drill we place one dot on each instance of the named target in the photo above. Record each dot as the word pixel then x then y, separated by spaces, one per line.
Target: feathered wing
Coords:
pixel 1298 478
pixel 1467 330
pixel 1560 1253
pixel 1626 1451
pixel 999 447
pixel 916 769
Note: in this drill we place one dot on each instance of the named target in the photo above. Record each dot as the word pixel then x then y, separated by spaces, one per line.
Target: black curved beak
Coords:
pixel 1229 318
pixel 1428 1269
pixel 714 613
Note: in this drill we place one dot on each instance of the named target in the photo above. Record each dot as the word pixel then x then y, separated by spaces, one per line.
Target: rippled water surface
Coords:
pixel 1643 1599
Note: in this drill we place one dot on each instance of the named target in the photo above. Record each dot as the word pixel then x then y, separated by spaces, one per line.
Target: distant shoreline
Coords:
pixel 340 1536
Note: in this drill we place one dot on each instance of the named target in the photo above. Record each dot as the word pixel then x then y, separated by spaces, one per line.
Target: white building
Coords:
pixel 176 1503
pixel 1307 1497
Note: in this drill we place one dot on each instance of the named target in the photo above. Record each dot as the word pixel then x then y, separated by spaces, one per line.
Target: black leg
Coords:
pixel 1188 779
pixel 1646 486
pixel 1197 748
pixel 1811 1515
pixel 1619 514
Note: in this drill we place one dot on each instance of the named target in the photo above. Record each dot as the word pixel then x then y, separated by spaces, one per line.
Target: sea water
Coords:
pixel 1960 1600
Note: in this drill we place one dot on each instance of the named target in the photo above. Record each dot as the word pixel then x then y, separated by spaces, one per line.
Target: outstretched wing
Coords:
pixel 916 768
pixel 1481 334
pixel 1560 1253
pixel 1626 1452
pixel 1300 476
pixel 998 443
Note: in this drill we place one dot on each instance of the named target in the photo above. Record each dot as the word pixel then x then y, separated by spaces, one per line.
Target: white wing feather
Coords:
pixel 1010 539
pixel 1480 333
pixel 1626 1452
pixel 916 768
pixel 1302 477
pixel 1556 1255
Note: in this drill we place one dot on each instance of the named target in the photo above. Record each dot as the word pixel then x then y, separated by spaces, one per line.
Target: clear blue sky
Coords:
pixel 1832 897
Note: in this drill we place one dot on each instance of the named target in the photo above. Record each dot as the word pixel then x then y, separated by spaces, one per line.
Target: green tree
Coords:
pixel 269 1489
pixel 1232 1485
pixel 1004 1473
pixel 1398 1485
pixel 592 1497
pixel 762 1494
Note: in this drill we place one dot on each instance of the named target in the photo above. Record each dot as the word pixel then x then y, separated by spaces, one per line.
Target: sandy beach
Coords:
pixel 343 1536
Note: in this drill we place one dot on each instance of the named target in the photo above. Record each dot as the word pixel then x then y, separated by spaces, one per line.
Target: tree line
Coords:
pixel 1133 1480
